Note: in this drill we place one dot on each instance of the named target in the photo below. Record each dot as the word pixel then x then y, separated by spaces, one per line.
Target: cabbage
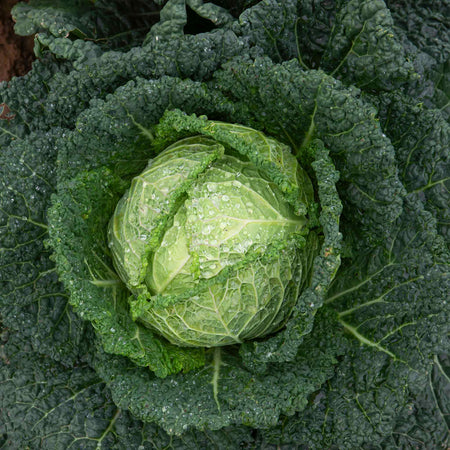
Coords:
pixel 206 221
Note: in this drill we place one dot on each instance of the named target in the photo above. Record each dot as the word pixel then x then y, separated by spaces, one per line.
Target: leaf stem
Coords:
pixel 216 374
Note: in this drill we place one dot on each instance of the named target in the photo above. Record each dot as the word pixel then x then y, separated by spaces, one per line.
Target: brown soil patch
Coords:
pixel 16 52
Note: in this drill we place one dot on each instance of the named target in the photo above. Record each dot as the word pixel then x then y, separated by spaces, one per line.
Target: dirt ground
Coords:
pixel 16 52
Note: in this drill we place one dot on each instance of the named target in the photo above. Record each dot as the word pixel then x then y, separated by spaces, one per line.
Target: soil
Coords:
pixel 16 52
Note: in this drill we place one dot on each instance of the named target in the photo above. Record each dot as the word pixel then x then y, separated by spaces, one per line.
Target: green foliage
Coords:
pixel 48 405
pixel 358 92
pixel 423 27
pixel 87 23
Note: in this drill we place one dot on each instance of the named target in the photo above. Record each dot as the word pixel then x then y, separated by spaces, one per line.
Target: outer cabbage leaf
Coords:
pixel 270 25
pixel 421 139
pixel 174 18
pixel 110 24
pixel 424 28
pixel 425 422
pixel 364 49
pixel 384 299
pixel 32 298
pixel 60 18
pixel 24 98
pixel 316 19
pixel 46 405
pixel 355 41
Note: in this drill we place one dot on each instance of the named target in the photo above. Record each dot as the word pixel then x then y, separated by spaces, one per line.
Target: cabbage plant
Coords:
pixel 236 238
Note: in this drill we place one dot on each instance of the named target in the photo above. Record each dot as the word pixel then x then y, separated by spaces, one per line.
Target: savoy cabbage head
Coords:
pixel 209 244
pixel 226 225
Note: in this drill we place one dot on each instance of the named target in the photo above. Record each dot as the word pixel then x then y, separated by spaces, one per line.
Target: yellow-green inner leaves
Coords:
pixel 202 209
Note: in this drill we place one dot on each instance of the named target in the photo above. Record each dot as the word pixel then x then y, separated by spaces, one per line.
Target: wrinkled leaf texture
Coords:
pixel 386 318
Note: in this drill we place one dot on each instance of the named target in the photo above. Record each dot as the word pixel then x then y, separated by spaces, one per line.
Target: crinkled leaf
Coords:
pixel 46 405
pixel 313 28
pixel 59 18
pixel 363 48
pixel 421 139
pixel 32 298
pixel 425 421
pixel 223 392
pixel 109 23
pixel 174 18
pixel 424 29
pixel 270 25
